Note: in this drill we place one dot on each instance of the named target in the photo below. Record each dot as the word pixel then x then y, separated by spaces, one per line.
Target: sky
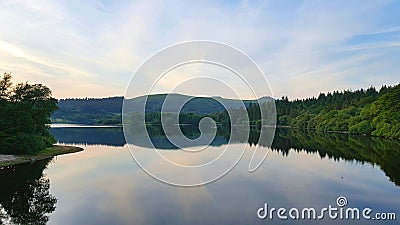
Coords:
pixel 93 48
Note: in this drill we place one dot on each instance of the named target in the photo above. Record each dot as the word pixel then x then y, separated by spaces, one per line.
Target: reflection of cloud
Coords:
pixel 101 43
pixel 115 190
pixel 121 188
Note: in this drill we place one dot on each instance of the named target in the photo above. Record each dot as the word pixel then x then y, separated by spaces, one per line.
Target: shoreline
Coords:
pixel 337 132
pixel 11 160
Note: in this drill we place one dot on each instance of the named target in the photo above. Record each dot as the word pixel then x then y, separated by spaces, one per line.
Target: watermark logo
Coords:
pixel 196 66
pixel 340 211
pixel 341 201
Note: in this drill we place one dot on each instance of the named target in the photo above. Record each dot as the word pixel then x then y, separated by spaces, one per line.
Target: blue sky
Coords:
pixel 92 48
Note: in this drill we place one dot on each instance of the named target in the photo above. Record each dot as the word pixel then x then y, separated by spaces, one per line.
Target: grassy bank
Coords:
pixel 9 160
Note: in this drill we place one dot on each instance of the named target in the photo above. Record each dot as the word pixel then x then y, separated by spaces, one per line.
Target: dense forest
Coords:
pixel 108 110
pixel 364 111
pixel 367 112
pixel 25 110
pixel 89 111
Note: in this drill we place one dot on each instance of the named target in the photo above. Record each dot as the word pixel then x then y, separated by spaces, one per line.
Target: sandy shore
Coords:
pixel 7 157
pixel 9 160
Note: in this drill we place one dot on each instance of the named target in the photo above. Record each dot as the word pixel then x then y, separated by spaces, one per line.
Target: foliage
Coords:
pixel 89 111
pixel 107 111
pixel 366 112
pixel 156 118
pixel 363 112
pixel 24 114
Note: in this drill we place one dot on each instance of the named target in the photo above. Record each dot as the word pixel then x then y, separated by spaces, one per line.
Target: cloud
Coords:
pixel 95 46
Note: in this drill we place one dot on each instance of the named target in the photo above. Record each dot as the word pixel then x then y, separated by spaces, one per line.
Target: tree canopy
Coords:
pixel 25 110
pixel 366 112
pixel 363 112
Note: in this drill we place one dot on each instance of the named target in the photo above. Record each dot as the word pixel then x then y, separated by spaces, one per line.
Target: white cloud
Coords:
pixel 96 46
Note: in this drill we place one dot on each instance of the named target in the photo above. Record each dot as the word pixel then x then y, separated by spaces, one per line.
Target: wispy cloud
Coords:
pixel 303 47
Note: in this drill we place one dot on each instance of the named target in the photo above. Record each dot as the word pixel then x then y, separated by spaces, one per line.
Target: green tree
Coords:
pixel 5 86
pixel 25 110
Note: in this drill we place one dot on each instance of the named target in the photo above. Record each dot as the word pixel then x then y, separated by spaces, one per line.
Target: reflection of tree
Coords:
pixel 25 196
pixel 381 151
pixel 111 136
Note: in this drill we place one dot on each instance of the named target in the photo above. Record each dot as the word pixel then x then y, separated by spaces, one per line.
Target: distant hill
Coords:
pixel 92 110
pixel 197 105
pixel 87 110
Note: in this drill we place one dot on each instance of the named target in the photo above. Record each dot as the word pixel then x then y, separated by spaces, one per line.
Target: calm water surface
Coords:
pixel 103 185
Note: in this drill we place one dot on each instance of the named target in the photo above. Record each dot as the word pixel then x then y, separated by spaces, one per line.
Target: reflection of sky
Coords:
pixel 103 185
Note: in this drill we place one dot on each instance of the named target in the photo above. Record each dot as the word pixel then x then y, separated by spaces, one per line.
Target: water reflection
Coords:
pixel 115 136
pixel 376 151
pixel 103 185
pixel 89 135
pixel 25 196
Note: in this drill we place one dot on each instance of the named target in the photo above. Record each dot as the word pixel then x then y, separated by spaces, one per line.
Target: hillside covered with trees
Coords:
pixel 362 112
pixel 25 110
pixel 366 112
pixel 108 110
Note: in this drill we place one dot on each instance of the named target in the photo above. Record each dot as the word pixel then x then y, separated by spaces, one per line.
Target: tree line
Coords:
pixel 364 112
